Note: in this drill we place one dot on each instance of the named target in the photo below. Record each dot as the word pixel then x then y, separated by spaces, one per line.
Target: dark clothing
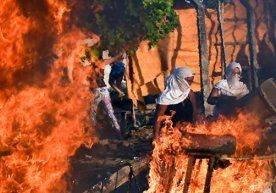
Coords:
pixel 184 111
pixel 117 70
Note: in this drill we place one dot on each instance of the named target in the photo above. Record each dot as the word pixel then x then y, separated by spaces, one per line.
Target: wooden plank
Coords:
pixel 5 153
pixel 270 22
pixel 220 11
pixel 232 43
pixel 273 187
pixel 134 116
pixel 189 171
pixel 209 175
pixel 202 144
pixel 268 90
pixel 121 176
pixel 234 20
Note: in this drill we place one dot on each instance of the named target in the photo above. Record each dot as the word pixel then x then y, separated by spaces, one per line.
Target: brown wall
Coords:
pixel 180 48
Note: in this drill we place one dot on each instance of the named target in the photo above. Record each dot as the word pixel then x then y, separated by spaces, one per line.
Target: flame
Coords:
pixel 169 163
pixel 44 95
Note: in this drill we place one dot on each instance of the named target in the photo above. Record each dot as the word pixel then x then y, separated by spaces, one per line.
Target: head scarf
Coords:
pixel 177 88
pixel 231 67
pixel 232 86
pixel 233 80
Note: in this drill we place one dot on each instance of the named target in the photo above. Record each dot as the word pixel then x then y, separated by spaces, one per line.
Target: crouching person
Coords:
pixel 177 96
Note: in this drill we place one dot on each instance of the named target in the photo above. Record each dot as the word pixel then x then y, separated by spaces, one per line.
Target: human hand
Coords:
pixel 198 118
pixel 121 94
pixel 119 57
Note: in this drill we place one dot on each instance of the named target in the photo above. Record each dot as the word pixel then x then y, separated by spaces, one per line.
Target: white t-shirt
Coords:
pixel 237 91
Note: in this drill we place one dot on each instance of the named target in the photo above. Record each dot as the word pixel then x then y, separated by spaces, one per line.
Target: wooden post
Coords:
pixel 133 116
pixel 191 163
pixel 270 22
pixel 203 56
pixel 251 35
pixel 209 174
pixel 220 11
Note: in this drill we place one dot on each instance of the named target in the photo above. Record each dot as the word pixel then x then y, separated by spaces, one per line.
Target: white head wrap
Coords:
pixel 177 88
pixel 232 86
pixel 231 67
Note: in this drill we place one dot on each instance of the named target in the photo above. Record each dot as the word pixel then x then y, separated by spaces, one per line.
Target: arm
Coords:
pixel 244 91
pixel 160 110
pixel 213 97
pixel 193 100
pixel 116 85
pixel 109 61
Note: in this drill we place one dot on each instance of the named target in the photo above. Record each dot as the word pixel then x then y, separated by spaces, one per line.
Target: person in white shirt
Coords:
pixel 228 90
pixel 177 96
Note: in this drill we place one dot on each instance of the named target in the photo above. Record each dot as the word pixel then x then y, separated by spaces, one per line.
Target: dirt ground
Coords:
pixel 91 166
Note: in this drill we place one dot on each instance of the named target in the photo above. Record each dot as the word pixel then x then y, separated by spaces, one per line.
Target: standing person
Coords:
pixel 227 91
pixel 177 96
pixel 90 56
pixel 116 77
pixel 101 93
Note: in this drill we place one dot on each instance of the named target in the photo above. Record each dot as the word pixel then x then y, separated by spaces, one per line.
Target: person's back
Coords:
pixel 117 69
pixel 116 76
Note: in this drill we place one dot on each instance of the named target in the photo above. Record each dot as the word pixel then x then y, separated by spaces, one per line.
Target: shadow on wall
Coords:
pixel 266 59
pixel 243 59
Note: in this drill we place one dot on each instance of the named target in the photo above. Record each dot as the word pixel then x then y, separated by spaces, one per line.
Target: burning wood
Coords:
pixel 250 175
pixel 210 144
pixel 263 157
pixel 123 175
pixel 5 153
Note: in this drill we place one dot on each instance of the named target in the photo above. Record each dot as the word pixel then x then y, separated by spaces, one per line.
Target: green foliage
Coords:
pixel 123 24
pixel 161 19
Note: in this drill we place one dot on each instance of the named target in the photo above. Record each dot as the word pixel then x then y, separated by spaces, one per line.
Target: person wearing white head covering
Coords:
pixel 230 88
pixel 176 92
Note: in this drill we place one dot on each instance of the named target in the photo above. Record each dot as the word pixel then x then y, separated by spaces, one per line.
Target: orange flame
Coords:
pixel 44 96
pixel 169 163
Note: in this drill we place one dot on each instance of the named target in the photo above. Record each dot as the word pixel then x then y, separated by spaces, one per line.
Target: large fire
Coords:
pixel 44 96
pixel 169 163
